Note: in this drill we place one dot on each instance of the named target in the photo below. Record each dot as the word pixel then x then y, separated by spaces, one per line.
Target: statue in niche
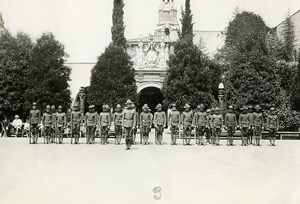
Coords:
pixel 140 56
pixel 162 63
pixel 151 58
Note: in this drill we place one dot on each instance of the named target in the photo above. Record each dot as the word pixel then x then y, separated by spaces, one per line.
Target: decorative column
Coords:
pixel 221 97
pixel 82 98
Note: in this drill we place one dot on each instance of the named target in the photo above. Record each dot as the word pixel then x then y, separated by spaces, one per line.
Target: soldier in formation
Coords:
pixel 146 122
pixel 174 122
pixel 105 123
pixel 117 119
pixel 217 124
pixel 159 121
pixel 76 121
pixel 90 124
pixel 250 131
pixel 258 123
pixel 47 121
pixel 207 123
pixel 244 122
pixel 129 122
pixel 230 125
pixel 53 128
pixel 34 120
pixel 201 123
pixel 61 123
pixel 187 120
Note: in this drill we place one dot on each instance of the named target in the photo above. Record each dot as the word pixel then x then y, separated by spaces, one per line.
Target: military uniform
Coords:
pixel 200 122
pixel 217 123
pixel 128 122
pixel 76 120
pixel 146 122
pixel 105 123
pixel 174 121
pixel 159 121
pixel 53 129
pixel 230 124
pixel 61 122
pixel 90 125
pixel 244 122
pixel 272 124
pixel 250 131
pixel 34 120
pixel 117 119
pixel 209 127
pixel 47 122
pixel 258 122
pixel 187 120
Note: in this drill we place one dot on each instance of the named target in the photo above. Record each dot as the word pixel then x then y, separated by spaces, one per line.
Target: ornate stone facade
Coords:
pixel 151 53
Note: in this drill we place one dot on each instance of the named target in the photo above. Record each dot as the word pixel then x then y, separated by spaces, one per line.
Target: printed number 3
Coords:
pixel 157 192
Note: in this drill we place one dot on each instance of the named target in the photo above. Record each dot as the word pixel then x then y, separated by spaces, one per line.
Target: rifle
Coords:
pixel 71 130
pixel 29 135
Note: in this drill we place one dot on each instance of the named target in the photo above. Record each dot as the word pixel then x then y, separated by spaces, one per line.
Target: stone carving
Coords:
pixel 150 55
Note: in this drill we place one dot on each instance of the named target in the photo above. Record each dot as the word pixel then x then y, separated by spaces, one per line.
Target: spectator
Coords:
pixel 17 124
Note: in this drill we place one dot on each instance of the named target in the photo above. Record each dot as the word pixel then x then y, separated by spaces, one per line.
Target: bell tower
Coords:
pixel 167 20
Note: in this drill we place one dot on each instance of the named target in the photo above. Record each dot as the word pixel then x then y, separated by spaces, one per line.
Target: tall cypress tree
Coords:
pixel 118 27
pixel 288 38
pixel 191 78
pixel 112 78
pixel 186 32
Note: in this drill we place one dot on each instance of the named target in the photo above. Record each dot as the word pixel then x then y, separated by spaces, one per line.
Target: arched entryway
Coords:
pixel 150 95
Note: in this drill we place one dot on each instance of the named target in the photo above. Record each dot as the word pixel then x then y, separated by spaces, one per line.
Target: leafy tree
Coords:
pixel 250 76
pixel 275 46
pixel 296 88
pixel 112 78
pixel 288 39
pixel 48 77
pixel 191 77
pixel 118 27
pixel 15 54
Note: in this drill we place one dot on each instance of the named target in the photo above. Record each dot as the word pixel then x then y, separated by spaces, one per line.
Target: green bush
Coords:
pixel 289 120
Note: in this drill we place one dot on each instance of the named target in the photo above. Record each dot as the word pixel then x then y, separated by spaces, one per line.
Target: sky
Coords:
pixel 84 26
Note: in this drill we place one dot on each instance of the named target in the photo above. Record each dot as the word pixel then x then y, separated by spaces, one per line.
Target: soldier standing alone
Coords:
pixel 174 122
pixel 272 124
pixel 128 122
pixel 160 120
pixel 117 119
pixel 187 120
pixel 230 124
pixel 34 120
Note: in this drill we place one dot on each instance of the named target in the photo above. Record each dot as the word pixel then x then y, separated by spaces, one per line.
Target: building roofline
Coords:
pixel 288 17
pixel 208 31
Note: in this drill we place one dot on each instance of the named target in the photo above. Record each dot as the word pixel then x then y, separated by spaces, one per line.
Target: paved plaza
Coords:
pixel 93 174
